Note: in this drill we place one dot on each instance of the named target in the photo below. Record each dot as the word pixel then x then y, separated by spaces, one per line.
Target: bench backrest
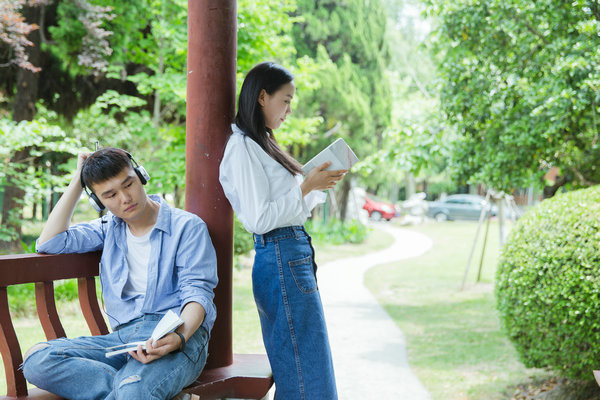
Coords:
pixel 43 270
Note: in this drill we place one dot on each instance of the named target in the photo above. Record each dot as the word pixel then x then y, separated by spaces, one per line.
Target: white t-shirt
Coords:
pixel 263 194
pixel 138 256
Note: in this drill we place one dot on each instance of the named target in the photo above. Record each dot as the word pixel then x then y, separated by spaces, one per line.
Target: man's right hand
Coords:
pixel 60 217
pixel 80 160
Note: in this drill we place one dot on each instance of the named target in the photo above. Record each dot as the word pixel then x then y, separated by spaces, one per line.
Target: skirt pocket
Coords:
pixel 304 275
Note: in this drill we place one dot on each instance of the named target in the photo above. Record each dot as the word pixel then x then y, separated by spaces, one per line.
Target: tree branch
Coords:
pixel 42 20
pixel 595 11
pixel 580 176
pixel 530 28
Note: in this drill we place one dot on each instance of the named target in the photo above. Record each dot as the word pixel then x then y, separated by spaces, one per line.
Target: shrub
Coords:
pixel 242 239
pixel 21 298
pixel 336 232
pixel 548 284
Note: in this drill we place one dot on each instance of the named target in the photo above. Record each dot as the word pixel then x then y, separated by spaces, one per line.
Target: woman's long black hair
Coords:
pixel 250 119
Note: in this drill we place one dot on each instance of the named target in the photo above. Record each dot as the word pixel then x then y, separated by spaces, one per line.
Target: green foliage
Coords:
pixel 548 286
pixel 46 142
pixel 21 298
pixel 28 248
pixel 351 53
pixel 137 52
pixel 335 231
pixel 66 290
pixel 263 33
pixel 242 239
pixel 520 75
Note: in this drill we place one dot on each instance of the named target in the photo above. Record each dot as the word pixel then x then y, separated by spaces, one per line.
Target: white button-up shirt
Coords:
pixel 263 194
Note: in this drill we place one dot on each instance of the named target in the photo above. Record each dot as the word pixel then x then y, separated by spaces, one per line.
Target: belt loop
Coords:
pixel 259 239
pixel 296 233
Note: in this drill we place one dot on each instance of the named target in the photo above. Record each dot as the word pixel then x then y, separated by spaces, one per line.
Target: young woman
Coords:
pixel 266 190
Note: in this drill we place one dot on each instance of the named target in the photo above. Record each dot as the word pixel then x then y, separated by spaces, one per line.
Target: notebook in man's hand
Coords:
pixel 338 152
pixel 168 323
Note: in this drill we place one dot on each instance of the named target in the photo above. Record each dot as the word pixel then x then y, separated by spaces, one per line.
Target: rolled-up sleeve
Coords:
pixel 79 238
pixel 197 270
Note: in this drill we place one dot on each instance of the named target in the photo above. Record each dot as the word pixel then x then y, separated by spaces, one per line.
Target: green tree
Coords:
pixel 520 85
pixel 347 40
pixel 114 71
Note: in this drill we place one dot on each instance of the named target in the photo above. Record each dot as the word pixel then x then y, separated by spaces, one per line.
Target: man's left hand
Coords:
pixel 163 346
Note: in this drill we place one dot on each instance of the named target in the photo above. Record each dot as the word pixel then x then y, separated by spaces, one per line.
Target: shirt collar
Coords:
pixel 236 130
pixel 163 221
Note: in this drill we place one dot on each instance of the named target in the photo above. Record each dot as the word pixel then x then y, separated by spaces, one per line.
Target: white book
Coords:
pixel 167 324
pixel 338 152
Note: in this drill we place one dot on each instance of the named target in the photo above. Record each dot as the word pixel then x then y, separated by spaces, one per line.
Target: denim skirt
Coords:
pixel 291 315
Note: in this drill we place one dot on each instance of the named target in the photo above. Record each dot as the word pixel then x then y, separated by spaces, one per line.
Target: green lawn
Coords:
pixel 455 344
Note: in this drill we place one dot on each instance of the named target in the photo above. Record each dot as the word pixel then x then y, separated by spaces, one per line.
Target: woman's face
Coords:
pixel 277 106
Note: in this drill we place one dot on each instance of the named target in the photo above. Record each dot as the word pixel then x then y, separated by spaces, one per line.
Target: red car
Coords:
pixel 379 210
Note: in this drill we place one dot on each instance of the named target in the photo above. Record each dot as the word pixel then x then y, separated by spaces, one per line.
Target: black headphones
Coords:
pixel 94 200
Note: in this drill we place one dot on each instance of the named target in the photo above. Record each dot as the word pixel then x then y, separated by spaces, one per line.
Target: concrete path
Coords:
pixel 369 350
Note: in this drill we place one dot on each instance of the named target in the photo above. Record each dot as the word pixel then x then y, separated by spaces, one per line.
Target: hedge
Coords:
pixel 548 284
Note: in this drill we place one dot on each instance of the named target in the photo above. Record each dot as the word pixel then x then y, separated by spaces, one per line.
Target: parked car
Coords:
pixel 459 206
pixel 379 210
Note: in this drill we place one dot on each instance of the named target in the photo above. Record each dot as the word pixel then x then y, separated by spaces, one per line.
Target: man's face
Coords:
pixel 123 194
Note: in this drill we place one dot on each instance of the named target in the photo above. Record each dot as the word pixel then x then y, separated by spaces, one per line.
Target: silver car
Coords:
pixel 459 206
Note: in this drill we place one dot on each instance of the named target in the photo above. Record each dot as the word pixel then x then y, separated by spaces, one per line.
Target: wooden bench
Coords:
pixel 249 377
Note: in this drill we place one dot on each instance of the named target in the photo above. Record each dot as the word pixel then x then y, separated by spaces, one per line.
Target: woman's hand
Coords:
pixel 319 179
pixel 162 347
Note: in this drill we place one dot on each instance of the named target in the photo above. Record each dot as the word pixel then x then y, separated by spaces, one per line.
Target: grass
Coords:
pixel 455 342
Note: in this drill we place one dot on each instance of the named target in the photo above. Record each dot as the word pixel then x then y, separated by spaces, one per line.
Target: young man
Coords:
pixel 155 258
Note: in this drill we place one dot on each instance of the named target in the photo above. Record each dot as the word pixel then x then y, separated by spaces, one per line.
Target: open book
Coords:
pixel 338 152
pixel 168 323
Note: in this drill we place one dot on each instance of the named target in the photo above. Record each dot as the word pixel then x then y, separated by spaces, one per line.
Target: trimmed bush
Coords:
pixel 336 232
pixel 548 284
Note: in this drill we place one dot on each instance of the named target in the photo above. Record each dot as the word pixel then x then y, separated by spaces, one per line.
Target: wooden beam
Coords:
pixel 212 41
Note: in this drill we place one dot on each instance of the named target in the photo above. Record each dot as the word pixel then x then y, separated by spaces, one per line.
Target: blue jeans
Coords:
pixel 78 368
pixel 291 315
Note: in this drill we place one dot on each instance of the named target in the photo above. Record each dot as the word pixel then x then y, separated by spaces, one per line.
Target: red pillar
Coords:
pixel 211 75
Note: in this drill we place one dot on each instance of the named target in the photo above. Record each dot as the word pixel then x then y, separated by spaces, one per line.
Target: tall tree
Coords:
pixel 347 38
pixel 521 86
pixel 27 84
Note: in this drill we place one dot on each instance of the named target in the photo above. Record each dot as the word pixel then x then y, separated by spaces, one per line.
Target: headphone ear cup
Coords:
pixel 95 202
pixel 142 174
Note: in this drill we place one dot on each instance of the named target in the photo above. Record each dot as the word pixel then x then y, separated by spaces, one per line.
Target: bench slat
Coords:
pixel 28 268
pixel 46 309
pixel 11 351
pixel 86 289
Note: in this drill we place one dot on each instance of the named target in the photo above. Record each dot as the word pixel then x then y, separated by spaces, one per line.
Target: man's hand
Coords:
pixel 162 347
pixel 60 217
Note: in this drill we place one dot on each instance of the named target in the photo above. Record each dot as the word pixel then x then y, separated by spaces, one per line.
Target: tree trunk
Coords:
pixel 550 191
pixel 23 110
pixel 343 202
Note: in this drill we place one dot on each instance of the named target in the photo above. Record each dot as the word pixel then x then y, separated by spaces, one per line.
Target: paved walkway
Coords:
pixel 369 350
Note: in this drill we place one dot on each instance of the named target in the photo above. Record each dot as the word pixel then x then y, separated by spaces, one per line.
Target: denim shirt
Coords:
pixel 182 266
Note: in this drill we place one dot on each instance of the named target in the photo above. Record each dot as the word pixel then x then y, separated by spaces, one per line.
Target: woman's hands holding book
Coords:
pixel 320 179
